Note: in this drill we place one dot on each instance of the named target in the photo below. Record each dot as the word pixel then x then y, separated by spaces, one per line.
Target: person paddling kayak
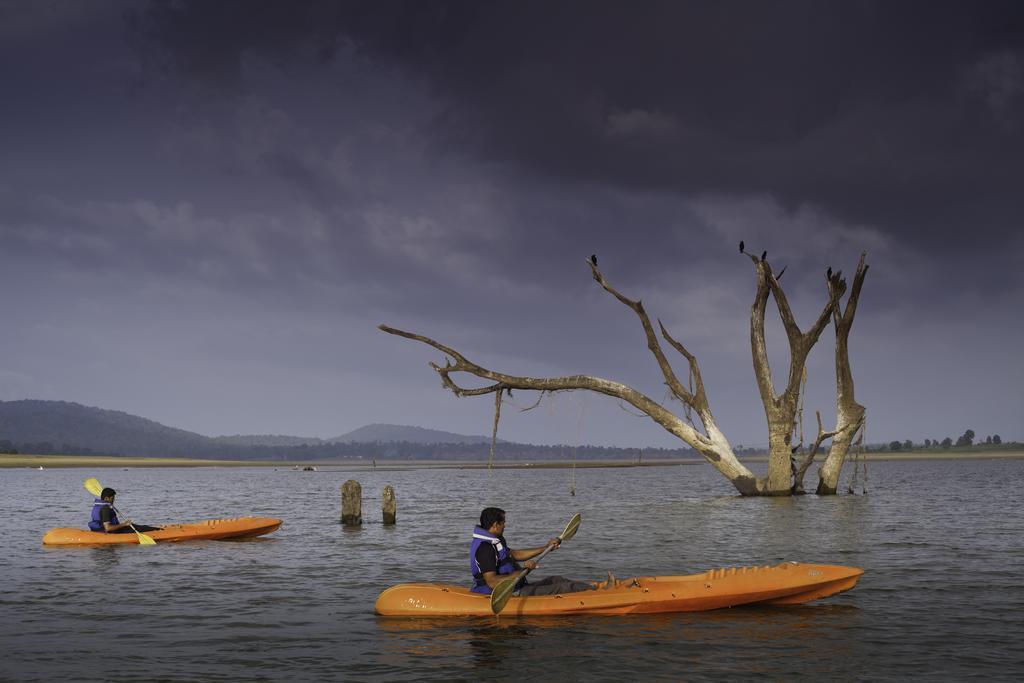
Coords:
pixel 104 516
pixel 491 561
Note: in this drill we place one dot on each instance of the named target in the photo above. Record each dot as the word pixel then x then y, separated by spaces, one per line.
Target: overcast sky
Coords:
pixel 206 208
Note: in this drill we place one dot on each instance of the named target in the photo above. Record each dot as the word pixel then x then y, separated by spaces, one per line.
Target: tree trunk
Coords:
pixel 780 472
pixel 849 413
pixel 828 476
pixel 780 409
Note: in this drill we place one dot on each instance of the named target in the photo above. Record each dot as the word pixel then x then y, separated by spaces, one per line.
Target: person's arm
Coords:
pixel 494 578
pixel 528 553
pixel 487 561
pixel 106 514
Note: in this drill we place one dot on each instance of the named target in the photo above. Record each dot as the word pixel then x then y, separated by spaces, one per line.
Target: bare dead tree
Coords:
pixel 708 440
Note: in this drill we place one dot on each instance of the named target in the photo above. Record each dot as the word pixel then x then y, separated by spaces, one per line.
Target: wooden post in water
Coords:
pixel 351 503
pixel 388 505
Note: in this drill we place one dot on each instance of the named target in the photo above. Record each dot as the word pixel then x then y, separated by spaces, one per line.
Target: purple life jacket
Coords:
pixel 505 563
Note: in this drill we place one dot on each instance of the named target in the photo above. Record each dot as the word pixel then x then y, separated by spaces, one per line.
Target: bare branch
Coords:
pixel 800 343
pixel 699 398
pixel 798 475
pixel 858 283
pixel 599 385
pixel 758 345
pixel 652 340
pixel 785 312
pixel 819 325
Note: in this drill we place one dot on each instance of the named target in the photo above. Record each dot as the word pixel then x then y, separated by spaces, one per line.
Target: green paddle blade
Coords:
pixel 502 594
pixel 571 528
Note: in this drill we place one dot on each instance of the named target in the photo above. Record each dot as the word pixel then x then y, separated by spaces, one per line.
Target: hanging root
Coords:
pixel 858 455
pixel 863 460
pixel 494 432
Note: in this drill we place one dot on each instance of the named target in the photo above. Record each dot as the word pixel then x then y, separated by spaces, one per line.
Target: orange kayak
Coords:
pixel 788 583
pixel 211 529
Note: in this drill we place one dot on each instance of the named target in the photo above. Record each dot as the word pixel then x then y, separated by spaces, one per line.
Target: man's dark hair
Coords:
pixel 491 515
pixel 108 493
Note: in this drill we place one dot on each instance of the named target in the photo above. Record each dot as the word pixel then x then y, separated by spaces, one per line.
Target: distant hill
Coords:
pixel 385 433
pixel 58 427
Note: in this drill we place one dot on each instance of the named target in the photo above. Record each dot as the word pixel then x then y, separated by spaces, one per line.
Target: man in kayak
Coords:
pixel 491 561
pixel 104 516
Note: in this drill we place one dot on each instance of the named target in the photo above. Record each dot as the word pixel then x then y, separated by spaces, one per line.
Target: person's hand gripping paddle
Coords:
pixel 504 590
pixel 93 487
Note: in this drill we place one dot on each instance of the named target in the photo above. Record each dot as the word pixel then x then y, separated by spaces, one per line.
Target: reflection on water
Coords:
pixel 940 597
pixel 799 634
pixel 103 559
pixel 484 641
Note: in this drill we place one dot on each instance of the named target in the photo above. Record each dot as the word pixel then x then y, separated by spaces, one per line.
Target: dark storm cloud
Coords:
pixel 904 115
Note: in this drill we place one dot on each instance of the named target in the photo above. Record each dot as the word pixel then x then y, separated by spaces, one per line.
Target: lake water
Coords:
pixel 942 543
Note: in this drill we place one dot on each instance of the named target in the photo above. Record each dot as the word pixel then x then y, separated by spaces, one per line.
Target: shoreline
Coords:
pixel 71 461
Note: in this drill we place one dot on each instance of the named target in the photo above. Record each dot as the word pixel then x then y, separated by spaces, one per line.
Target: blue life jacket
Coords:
pixel 505 563
pixel 95 524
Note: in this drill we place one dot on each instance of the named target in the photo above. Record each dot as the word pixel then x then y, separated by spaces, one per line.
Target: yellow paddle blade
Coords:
pixel 93 486
pixel 144 539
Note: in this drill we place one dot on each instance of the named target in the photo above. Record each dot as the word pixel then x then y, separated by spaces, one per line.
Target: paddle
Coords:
pixel 93 487
pixel 504 590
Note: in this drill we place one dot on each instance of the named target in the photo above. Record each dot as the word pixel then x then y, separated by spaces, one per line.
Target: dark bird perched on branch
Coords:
pixel 741 246
pixel 593 259
pixel 828 273
pixel 764 255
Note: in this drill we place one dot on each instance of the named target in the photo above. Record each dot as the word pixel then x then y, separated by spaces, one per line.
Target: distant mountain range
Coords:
pixel 385 432
pixel 59 427
pixel 375 433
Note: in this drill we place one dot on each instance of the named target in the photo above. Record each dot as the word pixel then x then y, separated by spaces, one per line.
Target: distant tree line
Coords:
pixel 406 450
pixel 965 440
pixel 8 447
